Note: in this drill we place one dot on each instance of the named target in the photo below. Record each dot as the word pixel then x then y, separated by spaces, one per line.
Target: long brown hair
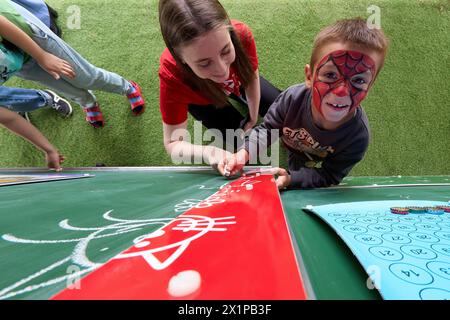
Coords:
pixel 182 21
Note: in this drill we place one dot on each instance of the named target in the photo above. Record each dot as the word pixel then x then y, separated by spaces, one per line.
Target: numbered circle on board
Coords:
pixel 431 218
pixel 427 226
pixel 388 220
pixel 434 294
pixel 410 219
pixel 442 235
pixel 396 238
pixel 337 214
pixel 368 239
pixel 423 237
pixel 379 228
pixel 345 221
pixel 403 227
pixel 442 248
pixel 368 220
pixel 440 268
pixel 418 252
pixel 386 253
pixel 355 229
pixel 410 273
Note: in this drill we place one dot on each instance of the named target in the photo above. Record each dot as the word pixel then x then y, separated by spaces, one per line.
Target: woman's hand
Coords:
pixel 233 164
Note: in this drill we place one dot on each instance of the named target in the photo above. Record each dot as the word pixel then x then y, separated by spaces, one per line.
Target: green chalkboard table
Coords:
pixel 53 233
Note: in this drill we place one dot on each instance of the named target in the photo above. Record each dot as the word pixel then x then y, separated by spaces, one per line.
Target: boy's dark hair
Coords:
pixel 355 31
pixel 182 21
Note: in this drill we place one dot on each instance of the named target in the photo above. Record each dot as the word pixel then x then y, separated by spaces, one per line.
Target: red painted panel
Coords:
pixel 233 245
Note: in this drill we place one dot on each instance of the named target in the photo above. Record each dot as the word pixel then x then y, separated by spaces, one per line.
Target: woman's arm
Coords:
pixel 181 150
pixel 253 94
pixel 50 63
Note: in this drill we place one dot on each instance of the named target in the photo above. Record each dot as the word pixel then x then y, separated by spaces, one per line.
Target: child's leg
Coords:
pixel 86 99
pixel 33 72
pixel 87 75
pixel 23 100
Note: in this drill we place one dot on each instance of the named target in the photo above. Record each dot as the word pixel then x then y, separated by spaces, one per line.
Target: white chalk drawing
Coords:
pixel 120 226
pixel 195 227
pixel 78 256
pixel 78 259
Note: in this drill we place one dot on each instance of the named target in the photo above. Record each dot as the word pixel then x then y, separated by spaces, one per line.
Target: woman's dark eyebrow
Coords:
pixel 226 47
pixel 206 59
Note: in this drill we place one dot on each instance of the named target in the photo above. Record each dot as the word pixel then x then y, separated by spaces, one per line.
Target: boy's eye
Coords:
pixel 330 76
pixel 359 81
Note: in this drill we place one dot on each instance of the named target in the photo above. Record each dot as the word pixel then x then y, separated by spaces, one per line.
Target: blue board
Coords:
pixel 405 256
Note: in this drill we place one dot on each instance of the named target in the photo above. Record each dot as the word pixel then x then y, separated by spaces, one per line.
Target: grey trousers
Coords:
pixel 88 77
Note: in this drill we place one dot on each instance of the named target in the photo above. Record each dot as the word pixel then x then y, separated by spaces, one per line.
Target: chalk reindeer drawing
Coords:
pixel 189 227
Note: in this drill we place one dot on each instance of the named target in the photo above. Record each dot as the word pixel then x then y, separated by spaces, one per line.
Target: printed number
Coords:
pixel 409 273
pixel 386 253
pixel 445 270
pixel 418 251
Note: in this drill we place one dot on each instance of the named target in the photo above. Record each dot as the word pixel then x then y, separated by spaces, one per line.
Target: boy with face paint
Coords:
pixel 321 121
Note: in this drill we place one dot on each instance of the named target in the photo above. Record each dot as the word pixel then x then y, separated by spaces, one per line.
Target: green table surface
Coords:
pixel 53 224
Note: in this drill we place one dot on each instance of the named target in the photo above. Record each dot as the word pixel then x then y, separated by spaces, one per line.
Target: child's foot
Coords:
pixel 59 104
pixel 136 99
pixel 94 116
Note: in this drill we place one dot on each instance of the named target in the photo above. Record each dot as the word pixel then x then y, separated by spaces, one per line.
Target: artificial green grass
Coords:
pixel 407 108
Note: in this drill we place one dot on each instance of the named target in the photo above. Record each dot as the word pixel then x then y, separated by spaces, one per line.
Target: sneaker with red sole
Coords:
pixel 94 116
pixel 136 100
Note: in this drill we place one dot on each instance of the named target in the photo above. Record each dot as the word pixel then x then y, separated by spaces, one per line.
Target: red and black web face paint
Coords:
pixel 348 64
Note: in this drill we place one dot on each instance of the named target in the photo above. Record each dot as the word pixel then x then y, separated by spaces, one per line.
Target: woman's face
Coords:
pixel 211 55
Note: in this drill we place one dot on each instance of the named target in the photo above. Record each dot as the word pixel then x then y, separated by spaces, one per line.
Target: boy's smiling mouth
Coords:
pixel 337 105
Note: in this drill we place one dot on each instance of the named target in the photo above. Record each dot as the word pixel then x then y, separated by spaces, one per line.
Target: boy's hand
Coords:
pixel 234 164
pixel 54 160
pixel 283 180
pixel 55 66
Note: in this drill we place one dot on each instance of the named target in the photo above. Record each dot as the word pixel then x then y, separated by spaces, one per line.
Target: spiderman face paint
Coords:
pixel 341 81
